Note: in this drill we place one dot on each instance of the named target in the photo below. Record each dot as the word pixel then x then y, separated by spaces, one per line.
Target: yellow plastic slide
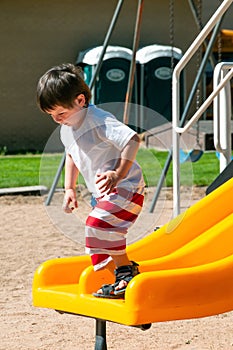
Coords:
pixel 186 271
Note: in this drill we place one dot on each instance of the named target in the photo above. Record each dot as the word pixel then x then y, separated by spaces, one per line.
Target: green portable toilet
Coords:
pixel 112 81
pixel 155 80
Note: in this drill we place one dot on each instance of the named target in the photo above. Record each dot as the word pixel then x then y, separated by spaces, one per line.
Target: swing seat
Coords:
pixel 191 156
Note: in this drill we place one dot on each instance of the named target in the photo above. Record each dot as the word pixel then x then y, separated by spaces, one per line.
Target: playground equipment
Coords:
pixel 223 99
pixel 194 153
pixel 192 156
pixel 224 176
pixel 224 140
pixel 177 131
pixel 186 272
pixel 186 265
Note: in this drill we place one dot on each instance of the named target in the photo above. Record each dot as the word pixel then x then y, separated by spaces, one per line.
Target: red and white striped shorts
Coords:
pixel 108 224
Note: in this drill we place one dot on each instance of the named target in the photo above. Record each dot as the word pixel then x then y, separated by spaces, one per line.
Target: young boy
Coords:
pixel 103 149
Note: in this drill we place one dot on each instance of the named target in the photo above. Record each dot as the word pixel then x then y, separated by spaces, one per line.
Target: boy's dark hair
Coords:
pixel 60 86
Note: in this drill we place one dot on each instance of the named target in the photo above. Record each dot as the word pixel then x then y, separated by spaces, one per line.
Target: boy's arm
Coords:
pixel 71 175
pixel 112 177
pixel 128 156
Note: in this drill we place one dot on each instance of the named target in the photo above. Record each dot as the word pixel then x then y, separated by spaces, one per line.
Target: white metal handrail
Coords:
pixel 176 98
pixel 221 96
pixel 222 131
pixel 205 104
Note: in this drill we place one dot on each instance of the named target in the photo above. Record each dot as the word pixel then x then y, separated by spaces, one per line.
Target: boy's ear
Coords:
pixel 81 100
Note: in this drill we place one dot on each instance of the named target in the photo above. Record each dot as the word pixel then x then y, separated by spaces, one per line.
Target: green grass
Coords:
pixel 19 170
pixel 28 170
pixel 200 173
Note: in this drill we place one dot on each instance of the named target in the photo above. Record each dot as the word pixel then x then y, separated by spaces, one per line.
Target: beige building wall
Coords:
pixel 35 35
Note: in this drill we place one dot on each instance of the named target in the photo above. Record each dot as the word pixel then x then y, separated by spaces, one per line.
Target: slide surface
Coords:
pixel 186 271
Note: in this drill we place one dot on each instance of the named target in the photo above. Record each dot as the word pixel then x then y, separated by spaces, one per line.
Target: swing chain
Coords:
pixel 219 43
pixel 199 53
pixel 171 31
pixel 219 47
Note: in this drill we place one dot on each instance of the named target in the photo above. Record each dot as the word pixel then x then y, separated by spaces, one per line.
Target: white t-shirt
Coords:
pixel 95 145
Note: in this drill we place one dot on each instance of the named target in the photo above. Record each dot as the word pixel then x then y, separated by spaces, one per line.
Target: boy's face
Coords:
pixel 67 116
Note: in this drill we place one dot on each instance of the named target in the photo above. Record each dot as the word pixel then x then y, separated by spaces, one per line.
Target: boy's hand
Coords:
pixel 107 181
pixel 70 201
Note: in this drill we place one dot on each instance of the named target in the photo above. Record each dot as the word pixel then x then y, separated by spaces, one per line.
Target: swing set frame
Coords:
pixel 192 155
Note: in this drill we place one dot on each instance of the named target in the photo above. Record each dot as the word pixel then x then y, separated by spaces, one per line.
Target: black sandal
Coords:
pixel 122 273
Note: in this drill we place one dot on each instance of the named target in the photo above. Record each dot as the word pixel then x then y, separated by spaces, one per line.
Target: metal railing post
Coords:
pixel 175 98
pixel 222 117
pixel 185 112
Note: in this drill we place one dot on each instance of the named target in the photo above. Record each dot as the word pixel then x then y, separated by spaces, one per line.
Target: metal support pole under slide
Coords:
pixel 100 335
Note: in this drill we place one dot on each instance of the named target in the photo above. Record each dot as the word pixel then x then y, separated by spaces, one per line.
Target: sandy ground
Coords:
pixel 32 233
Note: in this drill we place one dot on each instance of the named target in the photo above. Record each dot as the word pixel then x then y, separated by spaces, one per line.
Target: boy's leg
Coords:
pixel 118 261
pixel 106 229
pixel 123 273
pixel 121 260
